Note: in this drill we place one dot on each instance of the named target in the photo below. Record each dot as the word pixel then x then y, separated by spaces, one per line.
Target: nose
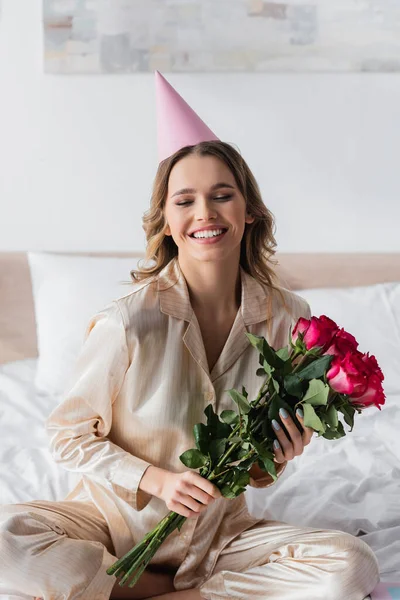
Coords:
pixel 205 210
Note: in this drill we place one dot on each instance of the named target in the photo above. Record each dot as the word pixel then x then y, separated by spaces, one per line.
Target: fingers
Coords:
pixel 290 447
pixel 194 494
pixel 294 445
pixel 279 456
pixel 198 494
pixel 193 501
pixel 190 503
pixel 181 509
pixel 203 484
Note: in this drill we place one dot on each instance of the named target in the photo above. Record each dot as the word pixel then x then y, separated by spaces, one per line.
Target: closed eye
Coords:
pixel 223 198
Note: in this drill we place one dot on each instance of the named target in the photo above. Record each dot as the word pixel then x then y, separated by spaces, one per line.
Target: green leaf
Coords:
pixel 269 466
pixel 242 478
pixel 275 385
pixel 267 368
pixel 266 350
pixel 229 416
pixel 235 438
pixel 293 386
pixel 317 393
pixel 193 458
pixel 335 434
pixel 316 369
pixel 315 351
pixel 201 436
pixel 271 356
pixel 217 429
pixel 240 400
pixel 311 419
pixel 283 353
pixel 238 490
pixel 287 368
pixel 260 371
pixel 227 492
pixel 256 341
pixel 261 450
pixel 330 434
pixel 332 417
pixel 242 452
pixel 245 464
pixel 348 412
pixel 340 428
pixel 217 448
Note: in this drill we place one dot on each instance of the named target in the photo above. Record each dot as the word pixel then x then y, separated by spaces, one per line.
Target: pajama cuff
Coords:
pixel 126 479
pixel 266 481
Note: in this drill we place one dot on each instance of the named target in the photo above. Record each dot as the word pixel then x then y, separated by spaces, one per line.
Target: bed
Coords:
pixel 352 484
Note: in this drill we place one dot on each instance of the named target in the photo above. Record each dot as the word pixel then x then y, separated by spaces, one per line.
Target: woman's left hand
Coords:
pixel 294 446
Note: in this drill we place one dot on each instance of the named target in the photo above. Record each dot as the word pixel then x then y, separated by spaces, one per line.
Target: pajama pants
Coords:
pixel 61 550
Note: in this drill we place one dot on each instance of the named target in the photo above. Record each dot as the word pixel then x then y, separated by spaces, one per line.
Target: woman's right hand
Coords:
pixel 187 493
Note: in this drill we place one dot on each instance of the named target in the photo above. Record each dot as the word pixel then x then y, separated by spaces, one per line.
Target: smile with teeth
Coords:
pixel 208 233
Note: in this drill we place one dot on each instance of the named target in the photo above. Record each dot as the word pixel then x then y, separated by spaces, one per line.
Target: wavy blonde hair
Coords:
pixel 258 242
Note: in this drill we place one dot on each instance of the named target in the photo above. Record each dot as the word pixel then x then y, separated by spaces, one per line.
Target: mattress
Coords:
pixel 351 484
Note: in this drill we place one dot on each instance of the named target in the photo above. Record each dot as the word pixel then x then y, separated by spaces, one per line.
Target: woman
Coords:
pixel 151 363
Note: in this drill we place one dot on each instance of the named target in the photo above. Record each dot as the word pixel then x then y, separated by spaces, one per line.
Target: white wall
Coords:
pixel 78 153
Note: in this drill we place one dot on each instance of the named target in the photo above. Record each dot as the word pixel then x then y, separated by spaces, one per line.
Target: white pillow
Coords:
pixel 370 313
pixel 67 292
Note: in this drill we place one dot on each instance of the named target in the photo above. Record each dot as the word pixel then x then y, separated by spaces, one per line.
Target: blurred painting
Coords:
pixel 132 36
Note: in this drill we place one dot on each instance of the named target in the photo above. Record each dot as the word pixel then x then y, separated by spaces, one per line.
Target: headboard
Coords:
pixel 295 271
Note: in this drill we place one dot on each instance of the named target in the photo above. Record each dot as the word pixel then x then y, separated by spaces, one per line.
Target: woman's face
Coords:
pixel 202 193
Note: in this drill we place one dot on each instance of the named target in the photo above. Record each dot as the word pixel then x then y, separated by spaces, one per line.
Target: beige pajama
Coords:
pixel 56 550
pixel 140 385
pixel 277 561
pixel 45 544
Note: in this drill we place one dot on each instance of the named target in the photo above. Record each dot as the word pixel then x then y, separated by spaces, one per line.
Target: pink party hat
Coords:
pixel 178 125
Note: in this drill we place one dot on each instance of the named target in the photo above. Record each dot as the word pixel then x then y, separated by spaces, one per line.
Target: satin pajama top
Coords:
pixel 140 384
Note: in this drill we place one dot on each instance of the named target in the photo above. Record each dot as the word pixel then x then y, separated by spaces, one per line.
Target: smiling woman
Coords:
pixel 152 362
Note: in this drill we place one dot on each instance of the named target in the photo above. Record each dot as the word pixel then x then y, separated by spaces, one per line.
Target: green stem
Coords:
pixel 260 394
pixel 159 534
pixel 237 428
pixel 138 549
pixel 137 559
pixel 303 360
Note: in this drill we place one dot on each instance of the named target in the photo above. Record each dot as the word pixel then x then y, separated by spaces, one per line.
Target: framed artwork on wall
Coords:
pixel 136 36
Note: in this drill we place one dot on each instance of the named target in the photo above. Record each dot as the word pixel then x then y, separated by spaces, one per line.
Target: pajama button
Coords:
pixel 209 396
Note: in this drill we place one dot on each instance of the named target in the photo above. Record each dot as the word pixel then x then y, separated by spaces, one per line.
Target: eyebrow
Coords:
pixel 216 186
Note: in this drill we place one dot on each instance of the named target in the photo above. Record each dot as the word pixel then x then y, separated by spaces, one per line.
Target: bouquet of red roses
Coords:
pixel 354 379
pixel 321 370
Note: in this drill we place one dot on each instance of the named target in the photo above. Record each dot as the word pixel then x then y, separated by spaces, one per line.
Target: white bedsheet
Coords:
pixel 352 484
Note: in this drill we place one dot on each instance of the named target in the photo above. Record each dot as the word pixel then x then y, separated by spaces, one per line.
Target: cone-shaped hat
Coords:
pixel 177 124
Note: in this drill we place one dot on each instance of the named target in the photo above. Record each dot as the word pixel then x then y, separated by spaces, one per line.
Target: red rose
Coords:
pixel 372 364
pixel 374 394
pixel 318 331
pixel 358 376
pixel 342 343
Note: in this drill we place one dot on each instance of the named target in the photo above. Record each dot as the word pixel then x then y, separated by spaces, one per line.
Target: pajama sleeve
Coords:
pixel 264 482
pixel 78 427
